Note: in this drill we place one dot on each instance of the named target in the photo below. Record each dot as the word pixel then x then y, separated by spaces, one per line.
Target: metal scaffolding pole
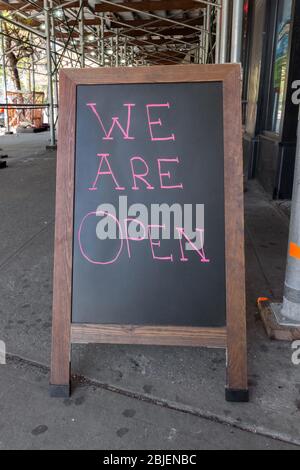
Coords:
pixel 289 312
pixel 99 44
pixel 33 80
pixel 81 34
pixel 33 76
pixel 218 34
pixel 207 34
pixel 102 39
pixel 54 56
pixel 132 56
pixel 112 51
pixel 237 30
pixel 49 73
pixel 125 52
pixel 224 31
pixel 117 48
pixel 4 78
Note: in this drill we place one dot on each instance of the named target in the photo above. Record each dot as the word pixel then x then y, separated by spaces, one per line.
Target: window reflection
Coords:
pixel 280 62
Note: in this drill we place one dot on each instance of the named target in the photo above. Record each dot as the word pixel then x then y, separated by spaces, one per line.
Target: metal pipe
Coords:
pixel 49 72
pixel 117 48
pixel 291 300
pixel 102 45
pixel 218 34
pixel 6 119
pixel 33 77
pixel 237 30
pixel 208 36
pixel 54 75
pixel 125 52
pixel 81 33
pixel 112 49
pixel 23 106
pixel 132 56
pixel 200 50
pixel 99 43
pixel 205 40
pixel 224 31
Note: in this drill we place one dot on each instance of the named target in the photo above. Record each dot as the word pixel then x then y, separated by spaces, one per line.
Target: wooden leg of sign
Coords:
pixel 237 382
pixel 61 343
pixel 237 377
pixel 61 324
pixel 60 384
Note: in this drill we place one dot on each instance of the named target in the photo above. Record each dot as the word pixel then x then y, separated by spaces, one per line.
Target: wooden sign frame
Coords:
pixel 233 336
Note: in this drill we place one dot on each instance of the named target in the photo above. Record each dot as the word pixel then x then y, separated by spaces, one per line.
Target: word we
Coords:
pixel 126 130
pixel 137 165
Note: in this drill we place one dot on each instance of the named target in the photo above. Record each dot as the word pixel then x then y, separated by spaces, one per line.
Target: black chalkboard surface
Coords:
pixel 149 144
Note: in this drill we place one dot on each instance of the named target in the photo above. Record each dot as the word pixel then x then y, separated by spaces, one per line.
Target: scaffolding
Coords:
pixel 108 33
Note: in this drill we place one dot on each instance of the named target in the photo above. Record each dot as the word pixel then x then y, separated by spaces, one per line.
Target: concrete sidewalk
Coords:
pixel 130 397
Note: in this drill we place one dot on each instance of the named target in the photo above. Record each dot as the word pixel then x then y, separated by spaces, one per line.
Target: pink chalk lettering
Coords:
pixel 157 123
pixel 93 214
pixel 115 122
pixel 200 251
pixel 167 174
pixel 153 244
pixel 135 239
pixel 140 176
pixel 104 157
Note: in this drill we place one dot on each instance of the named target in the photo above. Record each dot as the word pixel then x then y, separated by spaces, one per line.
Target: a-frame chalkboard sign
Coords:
pixel 149 238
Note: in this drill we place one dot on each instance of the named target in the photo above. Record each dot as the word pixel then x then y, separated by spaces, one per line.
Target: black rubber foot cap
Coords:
pixel 3 164
pixel 236 396
pixel 60 391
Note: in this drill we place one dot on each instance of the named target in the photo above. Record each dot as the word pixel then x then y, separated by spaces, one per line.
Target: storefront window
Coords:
pixel 280 63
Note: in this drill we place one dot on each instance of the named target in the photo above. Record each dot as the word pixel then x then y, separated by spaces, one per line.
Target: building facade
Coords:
pixel 271 62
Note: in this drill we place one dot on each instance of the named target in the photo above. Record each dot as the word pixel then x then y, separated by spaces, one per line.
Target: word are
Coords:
pixel 139 172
